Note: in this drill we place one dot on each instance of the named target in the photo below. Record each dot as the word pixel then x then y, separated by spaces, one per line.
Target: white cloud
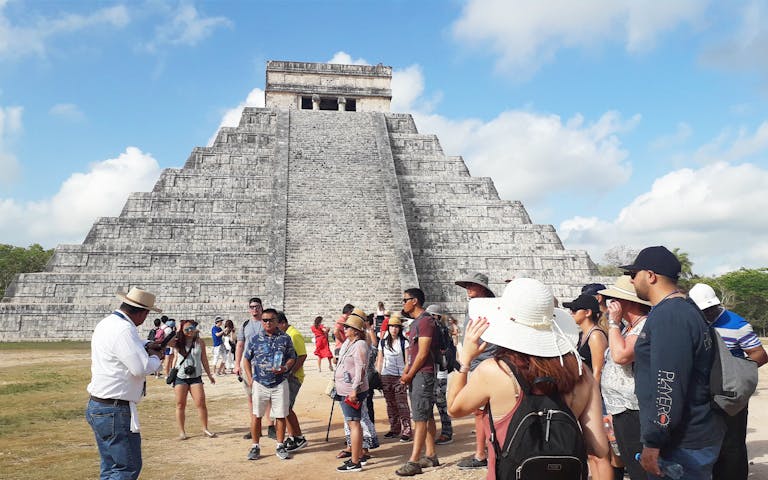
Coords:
pixel 529 155
pixel 186 27
pixel 407 87
pixel 527 35
pixel 713 213
pixel 745 47
pixel 231 117
pixel 67 111
pixel 81 199
pixel 732 146
pixel 10 127
pixel 346 59
pixel 20 40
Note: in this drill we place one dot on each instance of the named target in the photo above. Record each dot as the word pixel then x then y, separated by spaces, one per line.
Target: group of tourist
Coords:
pixel 622 371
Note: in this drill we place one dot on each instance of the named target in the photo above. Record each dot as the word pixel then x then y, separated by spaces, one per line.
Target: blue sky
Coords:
pixel 622 123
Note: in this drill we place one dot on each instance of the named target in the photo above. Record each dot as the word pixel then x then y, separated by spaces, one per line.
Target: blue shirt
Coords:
pixel 736 333
pixel 262 351
pixel 216 338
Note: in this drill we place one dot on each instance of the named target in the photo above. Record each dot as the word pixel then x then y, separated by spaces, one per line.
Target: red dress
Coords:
pixel 322 350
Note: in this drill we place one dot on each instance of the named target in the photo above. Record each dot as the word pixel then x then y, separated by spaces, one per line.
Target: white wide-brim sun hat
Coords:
pixel 524 319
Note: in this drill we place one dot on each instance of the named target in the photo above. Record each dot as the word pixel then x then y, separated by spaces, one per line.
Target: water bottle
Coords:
pixel 608 424
pixel 668 468
pixel 277 360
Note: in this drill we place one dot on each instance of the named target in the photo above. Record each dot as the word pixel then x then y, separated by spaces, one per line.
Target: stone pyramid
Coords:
pixel 320 199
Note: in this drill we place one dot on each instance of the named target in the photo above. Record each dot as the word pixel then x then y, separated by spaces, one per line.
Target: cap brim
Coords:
pixel 614 293
pixel 630 268
pixel 521 338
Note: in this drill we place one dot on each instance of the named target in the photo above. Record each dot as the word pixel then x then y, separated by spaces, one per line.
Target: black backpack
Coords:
pixel 151 334
pixel 544 440
pixel 445 351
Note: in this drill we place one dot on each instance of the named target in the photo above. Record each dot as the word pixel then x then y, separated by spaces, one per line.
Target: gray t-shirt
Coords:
pixel 247 331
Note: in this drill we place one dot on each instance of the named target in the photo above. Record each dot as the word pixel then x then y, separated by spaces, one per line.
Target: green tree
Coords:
pixel 745 292
pixel 686 265
pixel 15 260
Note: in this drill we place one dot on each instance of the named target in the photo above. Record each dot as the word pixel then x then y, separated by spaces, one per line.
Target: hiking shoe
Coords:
pixel 405 438
pixel 471 463
pixel 271 432
pixel 281 452
pixel 409 469
pixel 295 443
pixel 429 462
pixel 444 440
pixel 254 452
pixel 391 435
pixel 247 436
pixel 348 466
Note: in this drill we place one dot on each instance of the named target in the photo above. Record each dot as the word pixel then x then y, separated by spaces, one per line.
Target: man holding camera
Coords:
pixel 120 362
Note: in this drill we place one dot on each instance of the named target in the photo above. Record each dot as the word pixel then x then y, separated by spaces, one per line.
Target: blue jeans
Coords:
pixel 697 463
pixel 120 450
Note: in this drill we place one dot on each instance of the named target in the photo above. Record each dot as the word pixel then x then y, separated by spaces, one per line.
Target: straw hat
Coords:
pixel 395 320
pixel 525 320
pixel 138 298
pixel 356 320
pixel 623 289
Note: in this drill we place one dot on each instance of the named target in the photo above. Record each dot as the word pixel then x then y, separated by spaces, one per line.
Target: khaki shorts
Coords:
pixel 278 396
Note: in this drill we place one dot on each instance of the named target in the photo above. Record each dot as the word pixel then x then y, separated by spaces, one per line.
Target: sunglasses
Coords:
pixel 268 319
pixel 406 300
pixel 253 307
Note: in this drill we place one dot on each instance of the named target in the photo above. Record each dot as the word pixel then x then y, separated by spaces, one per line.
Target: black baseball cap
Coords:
pixel 592 288
pixel 656 259
pixel 583 302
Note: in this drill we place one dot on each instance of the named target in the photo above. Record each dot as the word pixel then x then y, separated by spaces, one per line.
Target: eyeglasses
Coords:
pixel 406 300
pixel 253 307
pixel 269 319
pixel 346 327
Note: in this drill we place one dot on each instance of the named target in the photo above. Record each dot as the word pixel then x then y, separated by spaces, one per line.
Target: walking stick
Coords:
pixel 328 432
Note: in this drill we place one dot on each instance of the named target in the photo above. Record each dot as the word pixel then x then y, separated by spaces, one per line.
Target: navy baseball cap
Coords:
pixel 656 259
pixel 584 301
pixel 592 288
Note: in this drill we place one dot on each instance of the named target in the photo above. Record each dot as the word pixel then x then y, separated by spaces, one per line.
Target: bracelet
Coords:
pixel 464 369
pixel 612 325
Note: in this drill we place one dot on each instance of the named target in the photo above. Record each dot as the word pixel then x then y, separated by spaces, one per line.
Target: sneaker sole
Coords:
pixel 298 447
pixel 473 468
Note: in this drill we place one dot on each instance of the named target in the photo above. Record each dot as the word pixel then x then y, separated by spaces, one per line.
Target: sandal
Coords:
pixel 344 454
pixel 209 434
pixel 183 436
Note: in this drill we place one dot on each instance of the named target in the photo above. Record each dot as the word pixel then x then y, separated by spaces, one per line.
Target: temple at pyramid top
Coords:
pixel 319 199
pixel 328 86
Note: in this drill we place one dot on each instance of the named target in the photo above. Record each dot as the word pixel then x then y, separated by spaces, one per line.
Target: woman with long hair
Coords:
pixel 191 360
pixel 390 363
pixel 536 346
pixel 230 342
pixel 322 349
pixel 593 342
pixel 352 386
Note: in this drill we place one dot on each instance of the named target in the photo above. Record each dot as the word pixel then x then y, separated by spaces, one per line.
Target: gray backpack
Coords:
pixel 732 380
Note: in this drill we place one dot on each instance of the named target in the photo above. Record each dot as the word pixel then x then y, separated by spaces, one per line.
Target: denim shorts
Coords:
pixel 187 381
pixel 353 414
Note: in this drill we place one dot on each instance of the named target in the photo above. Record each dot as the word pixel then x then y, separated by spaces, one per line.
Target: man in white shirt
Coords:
pixel 120 362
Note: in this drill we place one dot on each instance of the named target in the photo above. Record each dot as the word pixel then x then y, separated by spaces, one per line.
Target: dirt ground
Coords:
pixel 225 456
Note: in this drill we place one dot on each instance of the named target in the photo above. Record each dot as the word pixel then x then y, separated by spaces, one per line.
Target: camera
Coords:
pixel 189 370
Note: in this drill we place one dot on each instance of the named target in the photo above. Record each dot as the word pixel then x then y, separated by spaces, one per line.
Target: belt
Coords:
pixel 111 401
